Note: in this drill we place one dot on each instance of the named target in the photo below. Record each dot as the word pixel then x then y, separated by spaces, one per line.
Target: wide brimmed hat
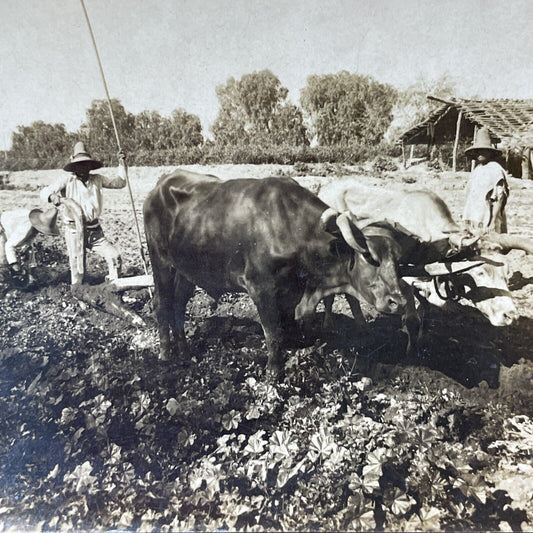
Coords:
pixel 482 142
pixel 45 221
pixel 81 156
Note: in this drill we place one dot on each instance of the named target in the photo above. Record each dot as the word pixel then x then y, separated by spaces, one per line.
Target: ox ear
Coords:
pixel 173 195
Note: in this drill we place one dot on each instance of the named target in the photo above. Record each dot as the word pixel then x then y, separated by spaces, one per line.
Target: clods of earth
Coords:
pixel 98 433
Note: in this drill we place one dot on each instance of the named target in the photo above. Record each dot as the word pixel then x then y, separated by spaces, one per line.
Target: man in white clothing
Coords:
pixel 18 229
pixel 85 188
pixel 487 190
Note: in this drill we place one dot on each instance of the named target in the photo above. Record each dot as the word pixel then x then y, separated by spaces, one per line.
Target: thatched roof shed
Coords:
pixel 455 118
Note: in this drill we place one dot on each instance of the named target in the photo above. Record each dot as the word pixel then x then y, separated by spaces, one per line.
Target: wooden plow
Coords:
pixel 103 296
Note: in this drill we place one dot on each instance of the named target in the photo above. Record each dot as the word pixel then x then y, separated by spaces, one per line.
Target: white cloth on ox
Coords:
pixel 18 232
pixel 486 189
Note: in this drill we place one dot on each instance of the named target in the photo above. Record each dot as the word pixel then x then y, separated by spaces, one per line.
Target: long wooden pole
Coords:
pixel 456 143
pixel 116 136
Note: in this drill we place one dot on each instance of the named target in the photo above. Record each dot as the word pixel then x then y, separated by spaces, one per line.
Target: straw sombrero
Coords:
pixel 44 221
pixel 482 142
pixel 81 156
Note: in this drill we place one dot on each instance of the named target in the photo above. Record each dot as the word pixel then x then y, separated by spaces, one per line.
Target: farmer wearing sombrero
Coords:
pixel 85 189
pixel 487 190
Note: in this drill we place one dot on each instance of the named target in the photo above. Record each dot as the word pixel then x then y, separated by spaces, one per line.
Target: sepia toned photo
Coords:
pixel 266 266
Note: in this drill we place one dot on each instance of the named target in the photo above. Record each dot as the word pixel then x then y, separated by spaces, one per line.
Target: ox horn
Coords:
pixel 326 217
pixel 343 223
pixel 462 241
pixel 509 242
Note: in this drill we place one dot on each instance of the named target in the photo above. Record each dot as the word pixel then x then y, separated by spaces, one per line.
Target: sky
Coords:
pixel 163 55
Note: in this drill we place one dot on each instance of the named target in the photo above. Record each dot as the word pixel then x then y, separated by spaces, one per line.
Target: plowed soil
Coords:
pixel 96 432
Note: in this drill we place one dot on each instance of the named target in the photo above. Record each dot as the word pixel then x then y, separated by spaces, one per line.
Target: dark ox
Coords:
pixel 270 238
pixel 458 267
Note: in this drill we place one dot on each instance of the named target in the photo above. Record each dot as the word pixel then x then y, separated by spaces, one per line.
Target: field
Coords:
pixel 97 433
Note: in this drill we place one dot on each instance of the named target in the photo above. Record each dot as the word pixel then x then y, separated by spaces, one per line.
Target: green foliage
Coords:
pixel 31 145
pixel 412 105
pixel 99 134
pixel 152 132
pixel 256 124
pixel 384 164
pixel 347 108
pixel 254 109
pixel 98 434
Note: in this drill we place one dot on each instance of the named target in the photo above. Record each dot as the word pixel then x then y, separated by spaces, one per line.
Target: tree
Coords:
pixel 288 126
pixel 148 126
pixel 43 143
pixel 255 109
pixel 154 132
pixel 344 108
pixel 412 105
pixel 98 131
pixel 185 129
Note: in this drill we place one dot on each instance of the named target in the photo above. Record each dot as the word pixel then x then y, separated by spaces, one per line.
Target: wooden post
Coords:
pixel 456 143
pixel 403 155
pixel 473 162
pixel 526 156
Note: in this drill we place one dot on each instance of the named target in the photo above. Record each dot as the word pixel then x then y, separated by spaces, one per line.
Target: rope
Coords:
pixel 117 138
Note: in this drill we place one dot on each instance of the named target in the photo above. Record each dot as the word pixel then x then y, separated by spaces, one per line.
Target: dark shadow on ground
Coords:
pixel 465 348
pixel 517 281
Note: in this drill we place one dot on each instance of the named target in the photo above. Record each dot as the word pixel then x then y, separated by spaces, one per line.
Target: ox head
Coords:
pixel 373 268
pixel 485 286
pixel 482 284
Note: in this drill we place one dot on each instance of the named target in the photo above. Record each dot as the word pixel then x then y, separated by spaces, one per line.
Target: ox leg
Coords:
pixel 183 291
pixel 163 294
pixel 272 324
pixel 357 313
pixel 355 307
pixel 328 325
pixel 411 321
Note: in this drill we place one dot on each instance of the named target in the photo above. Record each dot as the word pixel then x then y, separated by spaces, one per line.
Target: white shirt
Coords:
pixel 88 195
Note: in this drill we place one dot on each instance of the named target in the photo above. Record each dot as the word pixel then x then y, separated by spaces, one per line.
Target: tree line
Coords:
pixel 342 117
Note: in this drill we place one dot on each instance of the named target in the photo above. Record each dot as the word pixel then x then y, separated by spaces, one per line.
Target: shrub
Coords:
pixel 384 164
pixel 211 153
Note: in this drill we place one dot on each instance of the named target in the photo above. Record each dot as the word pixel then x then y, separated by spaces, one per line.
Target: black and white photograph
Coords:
pixel 266 265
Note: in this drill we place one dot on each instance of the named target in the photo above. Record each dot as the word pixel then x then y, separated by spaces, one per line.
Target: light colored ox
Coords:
pixel 470 270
